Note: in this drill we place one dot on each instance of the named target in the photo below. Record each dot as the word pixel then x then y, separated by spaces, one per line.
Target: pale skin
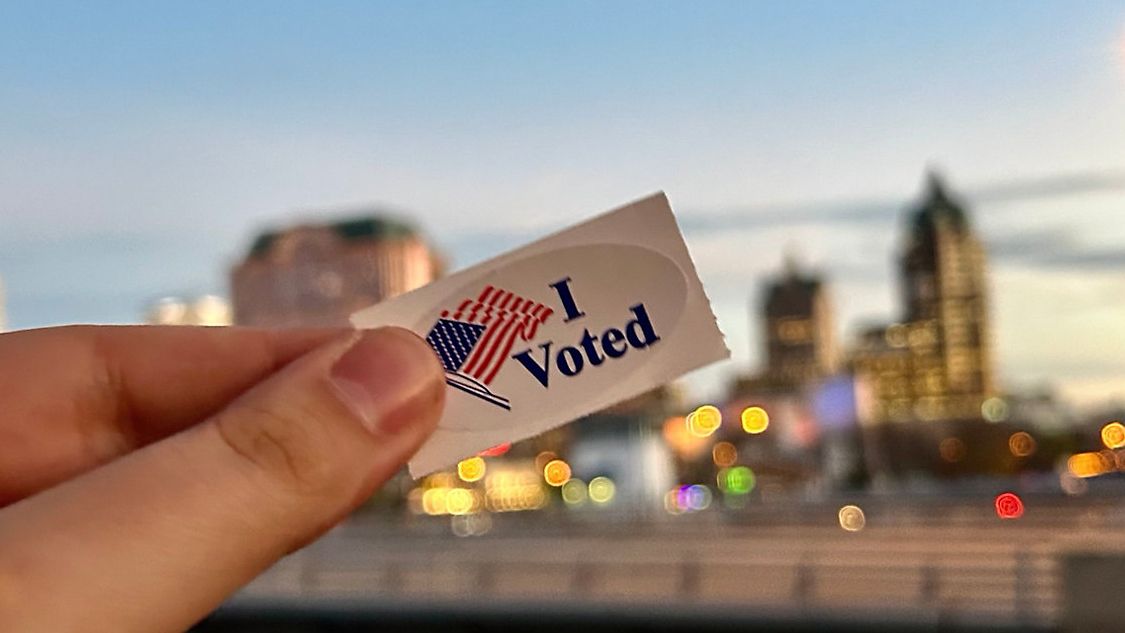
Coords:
pixel 146 473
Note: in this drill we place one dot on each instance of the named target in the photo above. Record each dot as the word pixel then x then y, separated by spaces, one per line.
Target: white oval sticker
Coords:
pixel 547 330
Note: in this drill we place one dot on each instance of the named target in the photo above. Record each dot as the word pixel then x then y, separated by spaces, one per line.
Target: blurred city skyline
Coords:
pixel 147 145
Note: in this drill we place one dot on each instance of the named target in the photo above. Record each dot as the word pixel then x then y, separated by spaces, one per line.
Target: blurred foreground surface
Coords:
pixel 932 564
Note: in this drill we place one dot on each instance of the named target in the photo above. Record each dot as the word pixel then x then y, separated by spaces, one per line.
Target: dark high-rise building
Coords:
pixel 936 364
pixel 799 337
pixel 321 274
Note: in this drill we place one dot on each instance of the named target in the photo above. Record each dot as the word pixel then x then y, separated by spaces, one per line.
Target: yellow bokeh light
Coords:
pixel 434 501
pixel 459 501
pixel 574 492
pixel 602 490
pixel 708 418
pixel 471 469
pixel 696 428
pixel 1089 464
pixel 724 454
pixel 1113 435
pixel 439 480
pixel 851 518
pixel 1021 444
pixel 556 472
pixel 755 420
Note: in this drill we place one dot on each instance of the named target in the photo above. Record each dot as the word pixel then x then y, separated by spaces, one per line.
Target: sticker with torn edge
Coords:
pixel 558 329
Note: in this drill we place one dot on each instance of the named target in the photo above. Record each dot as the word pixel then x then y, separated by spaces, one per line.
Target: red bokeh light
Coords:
pixel 496 451
pixel 1009 506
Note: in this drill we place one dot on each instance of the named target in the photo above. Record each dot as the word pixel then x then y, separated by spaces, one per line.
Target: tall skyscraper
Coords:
pixel 319 274
pixel 936 364
pixel 799 336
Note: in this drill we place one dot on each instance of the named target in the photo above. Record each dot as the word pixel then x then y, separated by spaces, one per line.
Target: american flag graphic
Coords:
pixel 474 340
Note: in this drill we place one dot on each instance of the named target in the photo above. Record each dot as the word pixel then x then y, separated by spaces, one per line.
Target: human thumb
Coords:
pixel 157 539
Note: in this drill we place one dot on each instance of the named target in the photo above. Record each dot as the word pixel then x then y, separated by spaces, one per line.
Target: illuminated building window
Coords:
pixel 896 335
pixel 794 331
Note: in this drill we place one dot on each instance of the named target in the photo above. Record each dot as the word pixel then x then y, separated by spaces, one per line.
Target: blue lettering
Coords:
pixel 569 361
pixel 638 333
pixel 562 287
pixel 610 339
pixel 539 372
pixel 640 325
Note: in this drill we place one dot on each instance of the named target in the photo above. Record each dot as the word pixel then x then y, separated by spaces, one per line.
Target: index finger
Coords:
pixel 79 396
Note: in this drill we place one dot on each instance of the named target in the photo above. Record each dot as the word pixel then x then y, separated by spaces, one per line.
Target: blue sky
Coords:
pixel 143 144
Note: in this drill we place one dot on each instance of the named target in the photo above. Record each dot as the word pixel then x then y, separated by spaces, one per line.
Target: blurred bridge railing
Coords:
pixel 991 573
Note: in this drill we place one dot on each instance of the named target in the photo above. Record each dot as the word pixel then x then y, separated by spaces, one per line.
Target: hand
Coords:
pixel 146 473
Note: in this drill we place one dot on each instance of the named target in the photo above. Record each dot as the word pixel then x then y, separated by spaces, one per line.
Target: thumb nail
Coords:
pixel 381 371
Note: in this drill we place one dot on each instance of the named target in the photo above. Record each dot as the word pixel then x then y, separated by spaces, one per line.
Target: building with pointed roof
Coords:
pixel 936 362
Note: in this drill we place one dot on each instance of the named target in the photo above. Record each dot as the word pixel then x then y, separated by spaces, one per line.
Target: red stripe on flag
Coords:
pixel 501 334
pixel 487 342
pixel 488 313
pixel 506 348
pixel 480 348
pixel 538 318
pixel 461 308
pixel 480 301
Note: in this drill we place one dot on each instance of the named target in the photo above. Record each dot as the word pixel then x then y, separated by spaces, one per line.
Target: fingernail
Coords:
pixel 382 371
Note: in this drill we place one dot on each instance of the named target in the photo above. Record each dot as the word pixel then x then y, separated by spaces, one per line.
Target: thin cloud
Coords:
pixel 1055 249
pixel 881 211
pixel 874 212
pixel 1060 186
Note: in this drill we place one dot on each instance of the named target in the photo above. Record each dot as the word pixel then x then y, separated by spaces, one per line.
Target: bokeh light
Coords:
pixel 496 451
pixel 556 472
pixel 1072 485
pixel 851 518
pixel 952 449
pixel 724 454
pixel 686 443
pixel 514 488
pixel 542 459
pixel 574 492
pixel 602 490
pixel 1021 444
pixel 994 409
pixel 1089 464
pixel 414 501
pixel 433 501
pixel 464 525
pixel 671 502
pixel 755 420
pixel 439 480
pixel 708 418
pixel 471 469
pixel 1009 506
pixel 704 421
pixel 459 501
pixel 1113 435
pixel 737 480
pixel 694 497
